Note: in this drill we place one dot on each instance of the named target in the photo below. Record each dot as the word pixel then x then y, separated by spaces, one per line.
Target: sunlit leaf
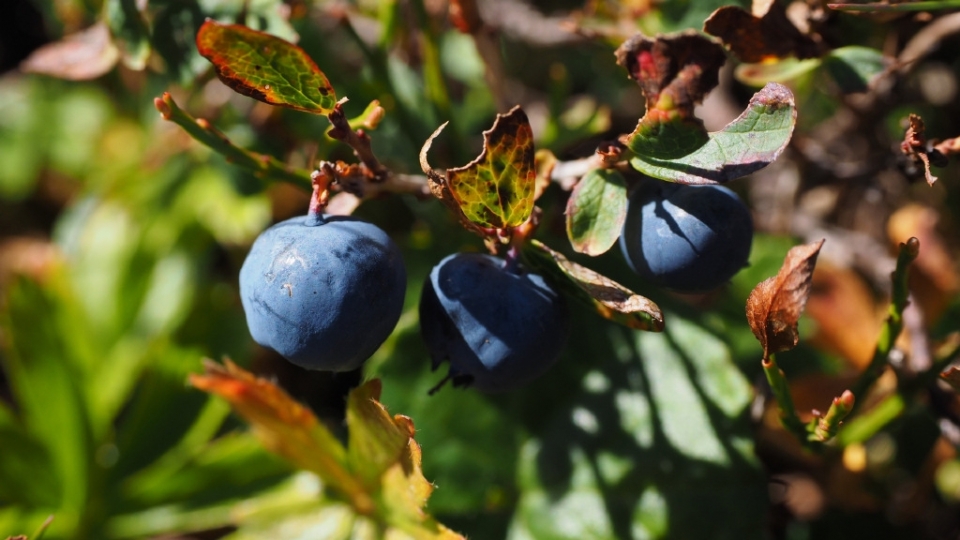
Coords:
pixel 775 305
pixel 379 470
pixel 285 426
pixel 496 189
pixel 674 399
pixel 376 439
pixel 265 67
pixel 596 210
pixel 780 71
pixel 749 143
pixel 608 298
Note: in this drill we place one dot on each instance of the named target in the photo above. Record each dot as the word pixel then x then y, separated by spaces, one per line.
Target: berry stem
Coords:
pixel 321 179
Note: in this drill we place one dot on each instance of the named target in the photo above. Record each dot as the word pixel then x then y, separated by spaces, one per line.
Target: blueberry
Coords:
pixel 686 238
pixel 324 295
pixel 498 326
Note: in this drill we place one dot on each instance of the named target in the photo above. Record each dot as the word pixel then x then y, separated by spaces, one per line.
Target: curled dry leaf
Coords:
pixel 674 72
pixel 775 305
pixel 916 147
pixel 608 298
pixel 85 55
pixel 680 68
pixel 764 34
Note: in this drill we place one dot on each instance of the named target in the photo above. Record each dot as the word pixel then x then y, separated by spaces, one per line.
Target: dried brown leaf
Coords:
pixel 85 55
pixel 914 146
pixel 674 72
pixel 764 34
pixel 775 305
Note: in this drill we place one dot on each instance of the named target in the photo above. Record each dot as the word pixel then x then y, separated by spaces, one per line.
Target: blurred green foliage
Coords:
pixel 121 239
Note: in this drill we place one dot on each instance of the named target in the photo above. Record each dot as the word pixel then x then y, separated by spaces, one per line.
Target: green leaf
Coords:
pixel 853 68
pixel 265 67
pixel 295 509
pixel 129 30
pixel 657 444
pixel 675 72
pixel 667 135
pixel 780 71
pixel 45 379
pixel 26 476
pixel 496 189
pixel 749 143
pixel 376 439
pixel 608 298
pixel 596 210
pixel 201 491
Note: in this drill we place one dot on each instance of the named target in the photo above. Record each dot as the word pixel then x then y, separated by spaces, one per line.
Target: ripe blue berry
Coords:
pixel 323 293
pixel 686 238
pixel 498 326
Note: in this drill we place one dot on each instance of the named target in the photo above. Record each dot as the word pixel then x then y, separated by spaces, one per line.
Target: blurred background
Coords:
pixel 121 239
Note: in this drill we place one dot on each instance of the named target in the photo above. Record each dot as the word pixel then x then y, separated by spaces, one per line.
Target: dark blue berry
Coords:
pixel 323 293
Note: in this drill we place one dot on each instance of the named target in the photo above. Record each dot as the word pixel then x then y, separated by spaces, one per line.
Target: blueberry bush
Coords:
pixel 346 269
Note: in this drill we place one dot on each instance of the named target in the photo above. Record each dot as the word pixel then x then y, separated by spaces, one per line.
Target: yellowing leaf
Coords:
pixel 265 67
pixel 378 473
pixel 496 189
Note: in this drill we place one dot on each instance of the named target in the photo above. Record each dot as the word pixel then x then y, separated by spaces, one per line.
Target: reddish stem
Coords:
pixel 321 194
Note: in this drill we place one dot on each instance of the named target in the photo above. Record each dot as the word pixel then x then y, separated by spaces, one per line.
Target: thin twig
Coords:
pixel 366 180
pixel 358 140
pixel 263 166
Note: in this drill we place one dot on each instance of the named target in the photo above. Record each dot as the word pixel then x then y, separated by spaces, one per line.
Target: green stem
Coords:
pixel 827 426
pixel 905 6
pixel 781 392
pixel 894 323
pixel 435 86
pixel 42 528
pixel 377 60
pixel 261 165
pixel 868 424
